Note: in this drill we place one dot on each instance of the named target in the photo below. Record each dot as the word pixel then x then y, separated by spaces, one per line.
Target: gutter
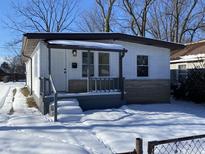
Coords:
pixel 31 92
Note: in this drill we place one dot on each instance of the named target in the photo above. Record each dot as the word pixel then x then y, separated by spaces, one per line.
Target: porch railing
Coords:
pixel 47 87
pixel 44 86
pixel 104 84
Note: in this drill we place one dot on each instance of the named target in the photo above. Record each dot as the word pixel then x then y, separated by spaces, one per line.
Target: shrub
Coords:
pixel 193 87
pixel 25 91
pixel 31 102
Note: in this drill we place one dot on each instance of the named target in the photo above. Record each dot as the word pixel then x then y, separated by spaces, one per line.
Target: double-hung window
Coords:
pixel 182 73
pixel 142 66
pixel 85 59
pixel 104 64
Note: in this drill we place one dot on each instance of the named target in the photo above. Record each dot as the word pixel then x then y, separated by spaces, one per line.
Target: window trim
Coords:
pixel 99 65
pixel 92 65
pixel 142 65
pixel 182 72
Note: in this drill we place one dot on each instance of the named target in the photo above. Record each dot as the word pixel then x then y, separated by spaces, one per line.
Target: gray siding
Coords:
pixel 147 91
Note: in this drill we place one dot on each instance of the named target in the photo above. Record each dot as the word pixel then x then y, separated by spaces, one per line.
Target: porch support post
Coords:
pixel 49 67
pixel 88 72
pixel 121 80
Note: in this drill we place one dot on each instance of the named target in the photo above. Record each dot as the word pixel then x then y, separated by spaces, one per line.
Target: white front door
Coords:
pixel 59 69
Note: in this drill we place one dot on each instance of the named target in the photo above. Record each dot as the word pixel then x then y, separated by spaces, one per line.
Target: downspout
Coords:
pixel 31 92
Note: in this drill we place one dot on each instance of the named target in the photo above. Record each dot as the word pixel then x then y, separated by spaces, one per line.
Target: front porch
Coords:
pixel 97 93
pixel 92 91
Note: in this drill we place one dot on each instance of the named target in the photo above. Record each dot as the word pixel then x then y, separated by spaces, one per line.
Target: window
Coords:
pixel 104 64
pixel 85 64
pixel 142 66
pixel 182 73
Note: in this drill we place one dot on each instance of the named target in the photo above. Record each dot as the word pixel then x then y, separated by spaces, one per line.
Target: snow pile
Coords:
pixel 118 128
pixel 19 103
pixel 3 94
pixel 26 130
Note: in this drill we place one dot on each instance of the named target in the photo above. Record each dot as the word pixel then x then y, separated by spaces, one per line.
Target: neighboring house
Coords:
pixel 101 70
pixel 2 74
pixel 187 59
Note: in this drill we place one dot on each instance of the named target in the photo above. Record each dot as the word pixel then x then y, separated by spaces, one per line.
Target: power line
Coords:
pixel 3 47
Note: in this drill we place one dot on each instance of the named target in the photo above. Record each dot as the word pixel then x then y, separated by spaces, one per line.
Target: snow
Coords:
pixel 87 44
pixel 26 130
pixel 190 58
pixel 151 122
pixel 69 110
pixel 88 94
pixel 5 91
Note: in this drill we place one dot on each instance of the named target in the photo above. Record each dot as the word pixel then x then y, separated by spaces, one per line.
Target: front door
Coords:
pixel 59 69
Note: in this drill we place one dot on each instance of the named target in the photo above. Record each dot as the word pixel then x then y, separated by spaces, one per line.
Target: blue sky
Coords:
pixel 6 34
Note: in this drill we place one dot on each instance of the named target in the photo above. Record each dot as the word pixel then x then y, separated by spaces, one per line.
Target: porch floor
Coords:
pixel 95 100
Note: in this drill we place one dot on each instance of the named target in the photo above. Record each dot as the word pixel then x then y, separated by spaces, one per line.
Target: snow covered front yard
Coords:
pixel 98 131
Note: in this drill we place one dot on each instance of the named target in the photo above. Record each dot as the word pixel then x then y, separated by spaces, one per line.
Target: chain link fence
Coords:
pixel 186 145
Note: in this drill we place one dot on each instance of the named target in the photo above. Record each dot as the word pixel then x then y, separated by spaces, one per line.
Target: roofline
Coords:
pixel 192 43
pixel 103 36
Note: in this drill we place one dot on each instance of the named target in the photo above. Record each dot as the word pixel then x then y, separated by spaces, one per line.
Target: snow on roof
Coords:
pixel 87 44
pixel 190 58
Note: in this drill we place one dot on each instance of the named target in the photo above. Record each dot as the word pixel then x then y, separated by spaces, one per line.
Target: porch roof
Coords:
pixel 85 45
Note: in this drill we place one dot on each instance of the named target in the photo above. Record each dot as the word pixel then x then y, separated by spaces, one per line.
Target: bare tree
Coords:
pixel 15 64
pixel 176 20
pixel 91 21
pixel 138 15
pixel 106 9
pixel 43 16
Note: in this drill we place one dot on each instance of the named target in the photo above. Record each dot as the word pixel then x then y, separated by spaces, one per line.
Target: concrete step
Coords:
pixel 68 102
pixel 69 110
pixel 69 117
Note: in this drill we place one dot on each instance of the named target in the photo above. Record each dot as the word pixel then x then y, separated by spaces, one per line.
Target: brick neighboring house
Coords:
pixel 187 59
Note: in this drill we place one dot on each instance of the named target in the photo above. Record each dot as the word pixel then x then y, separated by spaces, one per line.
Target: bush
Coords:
pixel 25 91
pixel 6 79
pixel 31 102
pixel 193 87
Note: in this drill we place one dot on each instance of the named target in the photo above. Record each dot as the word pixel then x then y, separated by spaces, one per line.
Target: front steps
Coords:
pixel 68 110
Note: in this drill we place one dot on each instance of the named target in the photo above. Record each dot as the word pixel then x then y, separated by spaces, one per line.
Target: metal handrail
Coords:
pixel 55 97
pixel 43 88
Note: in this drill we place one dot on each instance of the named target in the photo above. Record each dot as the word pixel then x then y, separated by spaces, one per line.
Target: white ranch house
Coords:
pixel 101 70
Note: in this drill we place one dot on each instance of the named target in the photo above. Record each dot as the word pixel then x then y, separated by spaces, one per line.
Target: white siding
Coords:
pixel 189 65
pixel 43 60
pixel 159 63
pixel 28 73
pixel 36 70
pixel 76 73
pixel 158 59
